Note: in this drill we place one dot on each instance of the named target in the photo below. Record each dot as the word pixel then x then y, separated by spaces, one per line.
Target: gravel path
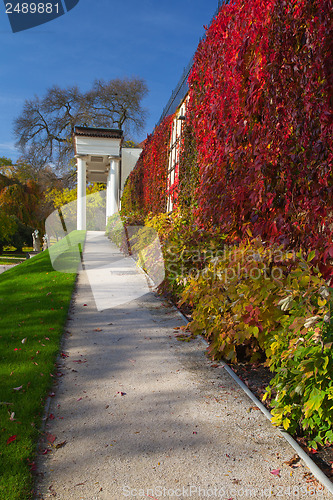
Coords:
pixel 138 414
pixel 5 267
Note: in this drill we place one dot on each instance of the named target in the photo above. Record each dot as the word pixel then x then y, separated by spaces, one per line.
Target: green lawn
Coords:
pixel 34 301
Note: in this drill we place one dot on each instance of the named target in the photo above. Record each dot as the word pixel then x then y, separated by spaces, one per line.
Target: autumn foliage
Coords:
pixel 255 180
pixel 261 108
pixel 146 186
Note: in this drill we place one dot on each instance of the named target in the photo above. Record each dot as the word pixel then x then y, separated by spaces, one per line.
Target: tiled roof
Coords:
pixel 110 133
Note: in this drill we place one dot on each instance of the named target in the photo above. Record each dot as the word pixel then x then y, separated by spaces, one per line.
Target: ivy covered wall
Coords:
pixel 260 120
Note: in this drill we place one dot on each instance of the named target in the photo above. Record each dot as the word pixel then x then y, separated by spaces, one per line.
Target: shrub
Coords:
pixel 303 384
pixel 258 301
pixel 234 299
pixel 145 189
pixel 186 247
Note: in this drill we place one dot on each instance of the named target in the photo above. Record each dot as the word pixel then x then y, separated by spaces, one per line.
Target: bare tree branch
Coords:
pixel 46 125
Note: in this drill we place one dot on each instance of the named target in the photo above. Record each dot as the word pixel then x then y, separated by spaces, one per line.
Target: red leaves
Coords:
pixel 11 439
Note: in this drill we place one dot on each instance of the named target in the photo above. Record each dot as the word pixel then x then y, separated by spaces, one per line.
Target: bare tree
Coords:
pixel 118 103
pixel 44 130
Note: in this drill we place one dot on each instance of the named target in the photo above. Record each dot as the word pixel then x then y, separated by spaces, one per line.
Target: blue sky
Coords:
pixel 105 39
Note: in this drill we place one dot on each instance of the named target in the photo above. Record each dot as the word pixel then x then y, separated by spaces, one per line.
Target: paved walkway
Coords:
pixel 138 414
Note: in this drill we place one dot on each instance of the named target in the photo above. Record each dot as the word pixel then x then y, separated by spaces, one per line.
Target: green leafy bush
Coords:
pixel 300 354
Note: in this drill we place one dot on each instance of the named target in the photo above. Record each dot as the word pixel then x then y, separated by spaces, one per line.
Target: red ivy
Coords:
pixel 146 188
pixel 261 108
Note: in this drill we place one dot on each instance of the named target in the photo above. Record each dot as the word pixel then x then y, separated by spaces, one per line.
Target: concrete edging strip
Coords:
pixel 300 452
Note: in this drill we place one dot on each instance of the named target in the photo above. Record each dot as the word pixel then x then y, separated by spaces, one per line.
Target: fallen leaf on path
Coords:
pixel 85 305
pixel 98 330
pixel 11 439
pixel 79 361
pixel 51 416
pixel 45 452
pixel 275 472
pixel 51 437
pixel 121 393
pixel 79 399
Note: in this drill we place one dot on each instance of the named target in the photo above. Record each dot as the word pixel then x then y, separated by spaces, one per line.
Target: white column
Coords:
pixel 81 193
pixel 112 188
pixel 108 196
